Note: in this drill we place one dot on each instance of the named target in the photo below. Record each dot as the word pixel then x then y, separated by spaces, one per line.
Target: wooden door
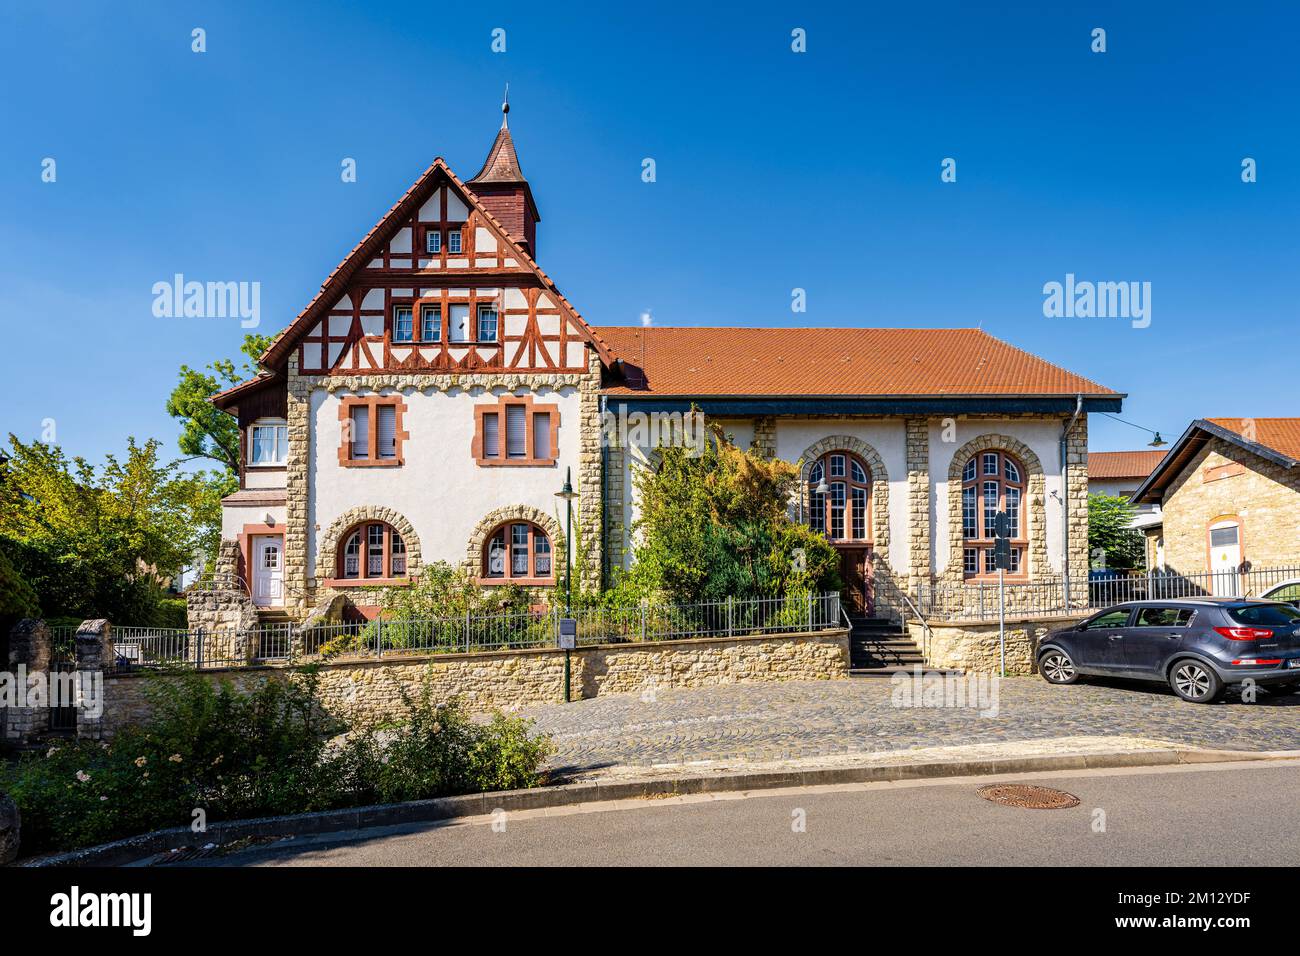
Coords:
pixel 855 571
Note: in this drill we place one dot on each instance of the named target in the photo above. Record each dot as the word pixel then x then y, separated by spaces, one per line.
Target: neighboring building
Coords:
pixel 1229 494
pixel 1120 472
pixel 429 401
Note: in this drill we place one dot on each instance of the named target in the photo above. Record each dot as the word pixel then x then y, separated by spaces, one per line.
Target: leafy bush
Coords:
pixel 236 754
pixel 716 524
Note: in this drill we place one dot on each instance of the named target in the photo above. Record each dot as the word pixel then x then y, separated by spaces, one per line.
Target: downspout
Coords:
pixel 1065 498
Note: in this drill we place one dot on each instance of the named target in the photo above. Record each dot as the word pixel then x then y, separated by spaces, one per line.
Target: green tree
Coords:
pixel 716 524
pixel 207 431
pixel 100 542
pixel 1110 532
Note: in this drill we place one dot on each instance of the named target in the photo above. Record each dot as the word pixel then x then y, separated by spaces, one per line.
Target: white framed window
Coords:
pixel 268 443
pixel 402 331
pixel 433 241
pixel 431 323
pixel 487 323
pixel 453 241
pixel 458 323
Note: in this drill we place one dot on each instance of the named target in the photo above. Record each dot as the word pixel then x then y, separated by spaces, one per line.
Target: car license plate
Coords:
pixel 1293 663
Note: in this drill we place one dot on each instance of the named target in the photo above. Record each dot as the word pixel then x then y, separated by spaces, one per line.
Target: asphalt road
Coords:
pixel 1185 815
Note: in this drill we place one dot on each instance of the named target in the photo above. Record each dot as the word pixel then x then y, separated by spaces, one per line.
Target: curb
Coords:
pixel 132 849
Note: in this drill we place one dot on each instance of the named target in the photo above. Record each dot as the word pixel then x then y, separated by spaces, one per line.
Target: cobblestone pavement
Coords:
pixel 799 720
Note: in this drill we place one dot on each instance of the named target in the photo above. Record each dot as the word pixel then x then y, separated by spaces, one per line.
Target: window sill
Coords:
pixel 516 462
pixel 523 582
pixel 367 463
pixel 277 466
pixel 367 582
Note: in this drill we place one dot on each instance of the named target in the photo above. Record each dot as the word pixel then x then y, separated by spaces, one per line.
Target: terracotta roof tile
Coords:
pixel 1123 464
pixel 689 361
pixel 1280 434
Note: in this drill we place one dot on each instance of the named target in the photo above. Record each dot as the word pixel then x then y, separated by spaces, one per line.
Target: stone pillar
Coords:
pixel 765 435
pixel 94 659
pixel 299 582
pixel 918 504
pixel 590 480
pixel 615 505
pixel 1076 496
pixel 30 652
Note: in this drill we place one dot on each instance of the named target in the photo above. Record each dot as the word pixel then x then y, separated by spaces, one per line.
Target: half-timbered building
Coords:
pixel 429 401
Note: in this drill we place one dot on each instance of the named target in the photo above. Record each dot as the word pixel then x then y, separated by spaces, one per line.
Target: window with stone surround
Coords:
pixel 843 513
pixel 518 552
pixel 516 431
pixel 371 431
pixel 371 551
pixel 992 481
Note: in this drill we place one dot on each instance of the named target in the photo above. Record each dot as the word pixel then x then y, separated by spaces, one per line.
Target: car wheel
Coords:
pixel 1057 668
pixel 1194 681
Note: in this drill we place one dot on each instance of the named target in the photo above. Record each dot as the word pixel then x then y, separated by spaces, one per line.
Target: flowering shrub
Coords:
pixel 214 752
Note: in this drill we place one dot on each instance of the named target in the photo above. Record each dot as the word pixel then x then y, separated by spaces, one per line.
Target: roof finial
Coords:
pixel 505 108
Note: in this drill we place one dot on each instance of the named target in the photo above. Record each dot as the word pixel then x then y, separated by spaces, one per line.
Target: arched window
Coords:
pixel 843 512
pixel 518 552
pixel 991 481
pixel 372 549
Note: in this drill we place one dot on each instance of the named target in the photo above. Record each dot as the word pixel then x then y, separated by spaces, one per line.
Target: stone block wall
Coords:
pixel 974 647
pixel 361 691
pixel 1226 481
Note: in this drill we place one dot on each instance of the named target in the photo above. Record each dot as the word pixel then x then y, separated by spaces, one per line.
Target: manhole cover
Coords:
pixel 1030 798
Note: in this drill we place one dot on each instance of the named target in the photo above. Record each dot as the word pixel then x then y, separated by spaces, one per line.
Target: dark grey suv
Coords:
pixel 1197 645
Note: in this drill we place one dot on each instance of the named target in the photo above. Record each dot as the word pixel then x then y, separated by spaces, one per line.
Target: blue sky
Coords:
pixel 775 170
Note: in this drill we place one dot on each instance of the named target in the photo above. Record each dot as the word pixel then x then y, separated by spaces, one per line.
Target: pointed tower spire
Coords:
pixel 501 185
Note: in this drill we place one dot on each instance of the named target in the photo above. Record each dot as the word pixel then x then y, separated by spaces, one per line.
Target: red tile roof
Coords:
pixel 1122 464
pixel 1280 434
pixel 689 361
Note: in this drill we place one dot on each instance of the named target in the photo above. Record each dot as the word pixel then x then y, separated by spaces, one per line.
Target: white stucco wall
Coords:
pixel 234 517
pixel 1113 486
pixel 888 436
pixel 1042 437
pixel 439 488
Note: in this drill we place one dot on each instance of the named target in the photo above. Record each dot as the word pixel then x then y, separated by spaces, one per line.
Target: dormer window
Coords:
pixel 402 330
pixel 453 241
pixel 268 442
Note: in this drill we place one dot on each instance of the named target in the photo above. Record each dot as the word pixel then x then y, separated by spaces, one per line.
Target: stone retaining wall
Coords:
pixel 366 690
pixel 973 646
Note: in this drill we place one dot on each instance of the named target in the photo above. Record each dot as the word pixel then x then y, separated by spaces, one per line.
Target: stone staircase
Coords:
pixel 273 616
pixel 879 647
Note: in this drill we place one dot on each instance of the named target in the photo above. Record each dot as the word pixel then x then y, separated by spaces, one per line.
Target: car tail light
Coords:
pixel 1244 633
pixel 1248 661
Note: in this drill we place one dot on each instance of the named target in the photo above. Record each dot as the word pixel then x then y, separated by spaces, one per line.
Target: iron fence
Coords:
pixel 137 648
pixel 979 601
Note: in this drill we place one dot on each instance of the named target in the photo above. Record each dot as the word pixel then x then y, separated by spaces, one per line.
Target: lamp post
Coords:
pixel 567 494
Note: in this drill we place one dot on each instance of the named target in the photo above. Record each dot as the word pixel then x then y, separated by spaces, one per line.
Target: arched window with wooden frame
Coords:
pixel 843 512
pixel 992 481
pixel 372 551
pixel 518 552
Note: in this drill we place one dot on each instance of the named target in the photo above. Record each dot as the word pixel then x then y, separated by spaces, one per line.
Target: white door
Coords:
pixel 1225 558
pixel 268 570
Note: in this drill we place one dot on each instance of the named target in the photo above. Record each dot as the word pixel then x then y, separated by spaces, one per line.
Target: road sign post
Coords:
pixel 1002 561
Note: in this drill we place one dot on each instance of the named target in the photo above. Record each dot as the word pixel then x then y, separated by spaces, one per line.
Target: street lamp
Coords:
pixel 568 494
